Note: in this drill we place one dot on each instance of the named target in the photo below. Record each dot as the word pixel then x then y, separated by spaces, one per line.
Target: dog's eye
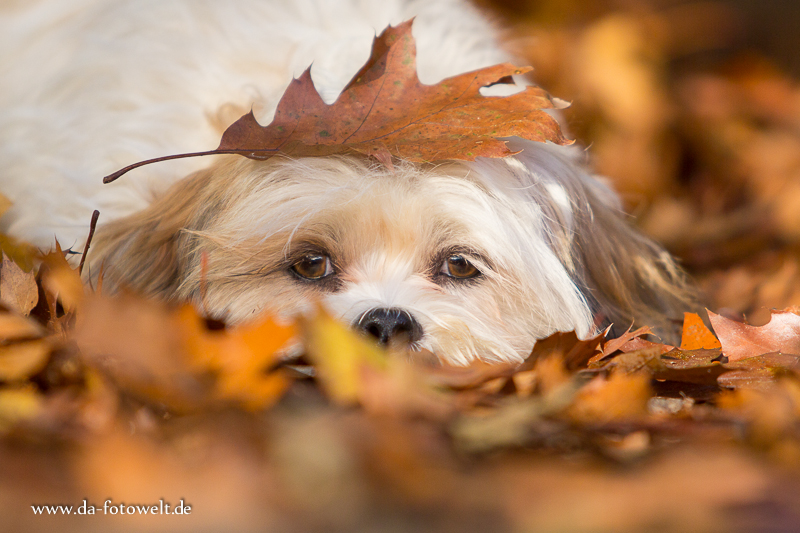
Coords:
pixel 457 266
pixel 313 266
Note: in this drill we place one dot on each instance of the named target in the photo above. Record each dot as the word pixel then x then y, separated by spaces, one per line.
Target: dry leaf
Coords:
pixel 16 404
pixel 385 111
pixel 18 289
pixel 740 341
pixel 618 397
pixel 242 358
pixel 464 377
pixel 167 355
pixel 696 335
pixel 647 359
pixel 572 351
pixel 61 280
pixel 22 360
pixel 339 354
pixel 138 344
pixel 614 345
pixel 15 327
pixel 23 254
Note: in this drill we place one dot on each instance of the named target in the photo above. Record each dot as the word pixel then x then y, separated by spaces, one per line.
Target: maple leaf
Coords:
pixel 386 111
pixel 740 341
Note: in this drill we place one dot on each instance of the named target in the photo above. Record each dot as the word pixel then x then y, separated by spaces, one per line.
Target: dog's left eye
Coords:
pixel 457 266
pixel 313 266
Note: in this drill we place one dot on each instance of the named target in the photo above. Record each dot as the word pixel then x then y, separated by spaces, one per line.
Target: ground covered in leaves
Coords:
pixel 126 401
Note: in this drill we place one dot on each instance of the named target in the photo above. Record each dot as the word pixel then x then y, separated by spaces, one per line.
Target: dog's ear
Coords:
pixel 627 278
pixel 140 252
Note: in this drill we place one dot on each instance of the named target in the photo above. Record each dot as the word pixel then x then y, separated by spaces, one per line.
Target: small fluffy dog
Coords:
pixel 469 260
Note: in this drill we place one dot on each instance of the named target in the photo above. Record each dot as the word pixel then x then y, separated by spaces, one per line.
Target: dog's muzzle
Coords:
pixel 389 325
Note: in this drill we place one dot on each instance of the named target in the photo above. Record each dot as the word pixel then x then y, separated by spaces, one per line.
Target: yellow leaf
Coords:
pixel 22 360
pixel 18 404
pixel 16 327
pixel 21 253
pixel 339 354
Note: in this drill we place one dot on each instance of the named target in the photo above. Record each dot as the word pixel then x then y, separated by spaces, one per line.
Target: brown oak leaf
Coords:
pixel 386 111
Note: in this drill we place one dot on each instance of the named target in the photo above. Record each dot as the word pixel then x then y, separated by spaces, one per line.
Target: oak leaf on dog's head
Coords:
pixel 385 112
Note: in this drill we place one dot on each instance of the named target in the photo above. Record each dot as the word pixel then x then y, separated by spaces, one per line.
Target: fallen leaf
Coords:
pixel 15 327
pixel 242 357
pixel 760 371
pixel 16 404
pixel 701 367
pixel 18 289
pixel 401 389
pixel 23 254
pixel 139 345
pixel 696 335
pixel 385 111
pixel 614 345
pixel 740 341
pixel 339 355
pixel 168 356
pixel 352 369
pixel 465 377
pixel 771 412
pixel 22 360
pixel 567 347
pixel 619 397
pixel 61 280
pixel 647 359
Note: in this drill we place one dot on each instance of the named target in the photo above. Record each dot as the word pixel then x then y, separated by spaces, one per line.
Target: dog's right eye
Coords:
pixel 313 267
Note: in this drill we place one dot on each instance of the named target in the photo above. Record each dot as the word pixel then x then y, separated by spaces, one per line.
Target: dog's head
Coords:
pixel 466 260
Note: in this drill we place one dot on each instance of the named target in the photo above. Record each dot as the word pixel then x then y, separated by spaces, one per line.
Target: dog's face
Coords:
pixel 463 260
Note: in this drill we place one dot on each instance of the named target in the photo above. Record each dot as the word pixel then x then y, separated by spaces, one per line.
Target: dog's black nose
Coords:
pixel 389 324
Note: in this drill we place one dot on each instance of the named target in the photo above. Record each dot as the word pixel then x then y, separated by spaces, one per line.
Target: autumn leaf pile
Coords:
pixel 307 426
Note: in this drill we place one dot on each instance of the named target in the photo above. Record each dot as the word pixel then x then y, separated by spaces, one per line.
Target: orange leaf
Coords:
pixel 696 336
pixel 62 280
pixel 241 357
pixel 619 397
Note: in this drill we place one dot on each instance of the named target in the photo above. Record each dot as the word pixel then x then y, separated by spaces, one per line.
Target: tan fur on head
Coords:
pixel 553 253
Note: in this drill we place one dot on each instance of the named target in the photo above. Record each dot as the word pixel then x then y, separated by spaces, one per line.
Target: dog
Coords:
pixel 465 259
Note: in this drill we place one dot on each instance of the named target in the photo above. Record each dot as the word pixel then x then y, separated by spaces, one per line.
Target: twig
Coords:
pixel 92 226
